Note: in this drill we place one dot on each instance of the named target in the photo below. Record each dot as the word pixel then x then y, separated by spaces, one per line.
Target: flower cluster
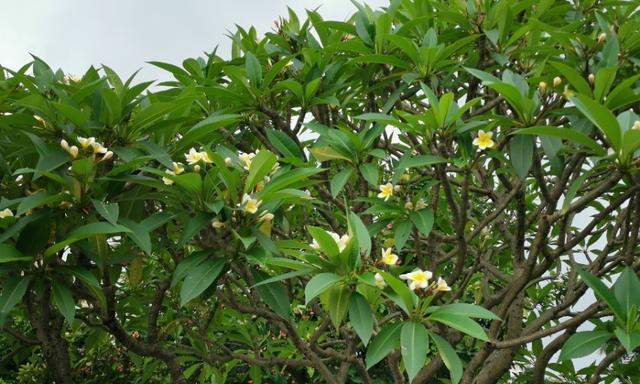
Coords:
pixel 341 241
pixel 177 169
pixel 87 144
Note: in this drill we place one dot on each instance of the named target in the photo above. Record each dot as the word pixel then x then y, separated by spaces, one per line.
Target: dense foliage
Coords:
pixel 440 191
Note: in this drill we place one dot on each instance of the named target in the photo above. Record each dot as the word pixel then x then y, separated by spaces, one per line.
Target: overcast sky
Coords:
pixel 124 34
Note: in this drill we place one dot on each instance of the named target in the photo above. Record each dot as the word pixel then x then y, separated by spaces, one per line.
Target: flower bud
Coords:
pixel 557 81
pixel 542 86
pixel 64 145
pixel 107 156
pixel 73 151
pixel 636 124
pixel 227 160
pixel 196 168
pixel 591 78
pixel 602 37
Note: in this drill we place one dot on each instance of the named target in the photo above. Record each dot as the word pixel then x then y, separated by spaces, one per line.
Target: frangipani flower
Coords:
pixel 636 124
pixel 386 191
pixel 193 157
pixel 177 168
pixel 86 142
pixel 341 241
pixel 380 283
pixel 484 140
pixel 250 204
pixel 6 213
pixel 389 258
pixel 441 285
pixel 265 216
pixel 417 279
pixel 420 204
pixel 98 148
pixel 204 156
pixel 166 180
pixel 246 159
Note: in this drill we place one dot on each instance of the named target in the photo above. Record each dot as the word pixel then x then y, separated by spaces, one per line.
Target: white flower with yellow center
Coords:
pixel 250 204
pixel 341 241
pixel 98 148
pixel 204 156
pixel 484 140
pixel 380 283
pixel 420 204
pixel 441 285
pixel 166 180
pixel 265 216
pixel 193 157
pixel 417 279
pixel 388 257
pixel 386 191
pixel 177 168
pixel 246 159
pixel 86 142
pixel 217 224
pixel 6 213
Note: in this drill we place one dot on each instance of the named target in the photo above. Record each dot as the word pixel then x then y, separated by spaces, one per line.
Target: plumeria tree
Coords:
pixel 431 192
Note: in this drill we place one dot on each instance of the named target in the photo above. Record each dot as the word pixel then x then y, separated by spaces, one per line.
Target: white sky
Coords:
pixel 124 34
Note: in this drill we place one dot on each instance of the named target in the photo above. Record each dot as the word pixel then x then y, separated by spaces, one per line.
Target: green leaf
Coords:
pixel 200 279
pixel 423 220
pixel 583 343
pixel 521 151
pixel 63 300
pixel 13 290
pixel 285 144
pixel 338 300
pixel 327 244
pixel 383 343
pixel 461 323
pixel 108 211
pixel 630 144
pixel 318 284
pixel 464 309
pixel 190 182
pixel 208 126
pixel 414 346
pixel 254 69
pixel 260 167
pixel 8 254
pixel 627 289
pixel 339 180
pixel 361 317
pixel 359 231
pixel 401 233
pixel 449 357
pixel 36 200
pixel 630 341
pixel 274 294
pixel 604 80
pixel 187 265
pixel 566 134
pixel 326 153
pixel 85 231
pixel 603 293
pixel 601 117
pixel 139 234
pixel 83 168
pixel 408 298
pixel 194 226
pixel 369 172
pixel 418 161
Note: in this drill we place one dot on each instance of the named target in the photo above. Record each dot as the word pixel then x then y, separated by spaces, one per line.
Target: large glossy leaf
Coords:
pixel 200 279
pixel 414 345
pixel 449 357
pixel 383 343
pixel 464 309
pixel 583 343
pixel 261 165
pixel 423 220
pixel 566 134
pixel 627 289
pixel 361 317
pixel 327 244
pixel 603 293
pixel 338 302
pixel 274 294
pixel 359 231
pixel 63 300
pixel 521 154
pixel 13 290
pixel 601 117
pixel 318 284
pixel 339 180
pixel 461 323
pixel 8 254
